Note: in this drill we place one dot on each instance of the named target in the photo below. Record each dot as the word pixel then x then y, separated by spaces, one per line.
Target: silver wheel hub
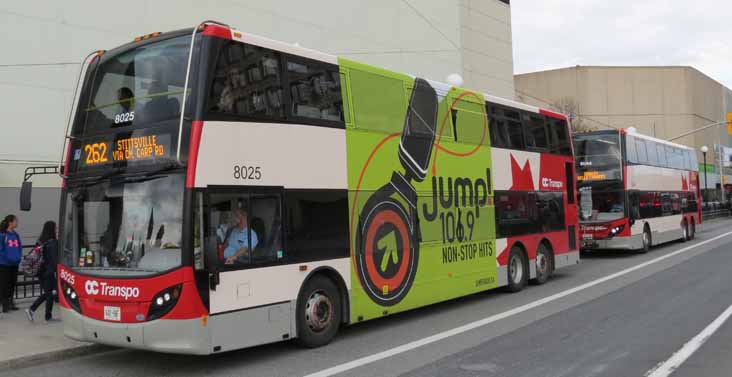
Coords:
pixel 541 264
pixel 318 311
pixel 516 269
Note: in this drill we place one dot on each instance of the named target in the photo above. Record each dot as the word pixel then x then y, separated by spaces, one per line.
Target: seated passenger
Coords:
pixel 126 98
pixel 238 244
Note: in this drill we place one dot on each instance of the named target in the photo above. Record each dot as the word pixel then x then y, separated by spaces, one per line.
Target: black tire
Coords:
pixel 685 231
pixel 517 270
pixel 692 233
pixel 321 297
pixel 544 265
pixel 647 240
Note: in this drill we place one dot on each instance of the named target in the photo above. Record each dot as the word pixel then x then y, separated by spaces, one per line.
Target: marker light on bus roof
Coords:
pixel 455 79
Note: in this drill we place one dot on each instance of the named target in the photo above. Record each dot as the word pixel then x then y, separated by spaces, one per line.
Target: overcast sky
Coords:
pixel 559 33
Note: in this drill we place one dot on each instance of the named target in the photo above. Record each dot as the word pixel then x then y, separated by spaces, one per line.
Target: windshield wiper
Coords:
pixel 148 175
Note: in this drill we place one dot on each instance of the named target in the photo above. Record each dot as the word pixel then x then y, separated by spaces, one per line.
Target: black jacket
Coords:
pixel 50 258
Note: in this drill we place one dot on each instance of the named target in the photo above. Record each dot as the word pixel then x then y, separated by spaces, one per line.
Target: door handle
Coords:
pixel 213 280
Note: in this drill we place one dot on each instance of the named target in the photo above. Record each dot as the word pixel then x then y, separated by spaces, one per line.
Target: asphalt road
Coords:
pixel 622 327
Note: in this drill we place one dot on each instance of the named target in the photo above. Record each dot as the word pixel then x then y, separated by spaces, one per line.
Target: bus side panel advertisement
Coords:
pixel 420 203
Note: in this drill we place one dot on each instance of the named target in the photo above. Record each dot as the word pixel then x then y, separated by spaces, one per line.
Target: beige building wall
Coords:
pixel 660 101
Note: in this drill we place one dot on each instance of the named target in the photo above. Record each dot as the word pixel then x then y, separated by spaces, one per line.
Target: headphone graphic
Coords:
pixel 388 234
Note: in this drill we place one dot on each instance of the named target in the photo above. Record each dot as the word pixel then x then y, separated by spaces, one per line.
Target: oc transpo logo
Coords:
pixel 91 287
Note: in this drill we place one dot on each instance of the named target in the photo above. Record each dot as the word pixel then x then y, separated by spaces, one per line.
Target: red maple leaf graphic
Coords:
pixel 684 183
pixel 522 179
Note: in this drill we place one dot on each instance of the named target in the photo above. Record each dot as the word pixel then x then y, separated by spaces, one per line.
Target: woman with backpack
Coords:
pixel 11 251
pixel 47 271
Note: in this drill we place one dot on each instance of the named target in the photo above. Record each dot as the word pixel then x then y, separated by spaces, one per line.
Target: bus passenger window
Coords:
pixel 247 83
pixel 315 89
pixel 535 130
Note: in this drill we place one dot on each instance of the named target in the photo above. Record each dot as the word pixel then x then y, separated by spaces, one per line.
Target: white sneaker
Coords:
pixel 29 315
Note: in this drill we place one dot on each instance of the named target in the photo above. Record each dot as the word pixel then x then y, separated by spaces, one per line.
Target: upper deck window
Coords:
pixel 138 87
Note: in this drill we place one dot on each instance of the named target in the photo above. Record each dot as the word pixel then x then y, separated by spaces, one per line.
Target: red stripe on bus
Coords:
pixel 217 31
pixel 196 130
pixel 66 164
pixel 552 114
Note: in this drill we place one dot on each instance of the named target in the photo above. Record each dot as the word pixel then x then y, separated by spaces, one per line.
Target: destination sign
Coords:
pixel 591 176
pixel 130 149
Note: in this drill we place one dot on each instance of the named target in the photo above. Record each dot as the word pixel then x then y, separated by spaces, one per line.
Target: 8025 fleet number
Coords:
pixel 247 172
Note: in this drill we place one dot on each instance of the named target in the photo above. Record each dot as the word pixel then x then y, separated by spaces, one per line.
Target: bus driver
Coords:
pixel 238 243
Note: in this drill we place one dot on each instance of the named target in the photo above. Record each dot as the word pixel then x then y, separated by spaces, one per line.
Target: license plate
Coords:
pixel 587 236
pixel 112 313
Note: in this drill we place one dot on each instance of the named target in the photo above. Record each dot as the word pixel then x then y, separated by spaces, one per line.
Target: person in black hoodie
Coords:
pixel 47 271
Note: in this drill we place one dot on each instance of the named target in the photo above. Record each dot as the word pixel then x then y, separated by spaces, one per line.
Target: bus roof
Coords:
pixel 635 134
pixel 660 141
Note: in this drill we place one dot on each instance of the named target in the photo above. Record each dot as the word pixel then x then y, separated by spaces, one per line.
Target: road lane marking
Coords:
pixel 497 317
pixel 664 369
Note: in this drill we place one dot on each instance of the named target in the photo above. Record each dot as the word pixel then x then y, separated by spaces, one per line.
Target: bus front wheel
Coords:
pixel 685 236
pixel 647 241
pixel 318 312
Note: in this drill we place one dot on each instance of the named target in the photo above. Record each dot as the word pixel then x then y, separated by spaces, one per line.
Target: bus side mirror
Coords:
pixel 26 191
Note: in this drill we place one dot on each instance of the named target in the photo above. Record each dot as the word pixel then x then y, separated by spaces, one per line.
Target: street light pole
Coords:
pixel 704 150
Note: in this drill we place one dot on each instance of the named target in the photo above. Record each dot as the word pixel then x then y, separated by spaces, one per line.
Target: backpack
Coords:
pixel 31 263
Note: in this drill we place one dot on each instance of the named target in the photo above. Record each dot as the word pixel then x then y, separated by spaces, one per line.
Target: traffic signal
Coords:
pixel 729 123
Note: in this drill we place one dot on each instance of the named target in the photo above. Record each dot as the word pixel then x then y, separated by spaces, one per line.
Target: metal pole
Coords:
pixel 706 189
pixel 697 130
pixel 721 172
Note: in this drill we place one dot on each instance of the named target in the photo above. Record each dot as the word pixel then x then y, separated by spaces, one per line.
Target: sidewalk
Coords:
pixel 23 342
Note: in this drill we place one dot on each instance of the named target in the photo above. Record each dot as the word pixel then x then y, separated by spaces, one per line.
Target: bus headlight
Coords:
pixel 614 231
pixel 71 297
pixel 164 301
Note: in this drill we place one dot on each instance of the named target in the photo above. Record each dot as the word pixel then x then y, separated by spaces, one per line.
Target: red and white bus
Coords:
pixel 635 191
pixel 223 190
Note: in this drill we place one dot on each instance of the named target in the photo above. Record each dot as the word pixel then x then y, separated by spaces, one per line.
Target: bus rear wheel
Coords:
pixel 692 230
pixel 544 265
pixel 517 270
pixel 318 312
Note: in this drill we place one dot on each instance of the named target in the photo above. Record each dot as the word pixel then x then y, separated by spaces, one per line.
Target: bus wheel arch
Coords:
pixel 544 262
pixel 517 267
pixel 336 277
pixel 320 307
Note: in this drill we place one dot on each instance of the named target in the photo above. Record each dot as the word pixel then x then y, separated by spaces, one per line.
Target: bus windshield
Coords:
pixel 599 176
pixel 125 227
pixel 602 201
pixel 139 87
pixel 598 157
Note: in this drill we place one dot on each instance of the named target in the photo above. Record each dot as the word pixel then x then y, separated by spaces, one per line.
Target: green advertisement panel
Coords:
pixel 420 191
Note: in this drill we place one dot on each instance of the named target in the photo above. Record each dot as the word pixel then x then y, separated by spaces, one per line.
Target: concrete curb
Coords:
pixel 48 357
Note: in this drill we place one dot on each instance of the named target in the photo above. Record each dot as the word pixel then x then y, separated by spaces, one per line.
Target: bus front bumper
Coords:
pixel 189 336
pixel 616 243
